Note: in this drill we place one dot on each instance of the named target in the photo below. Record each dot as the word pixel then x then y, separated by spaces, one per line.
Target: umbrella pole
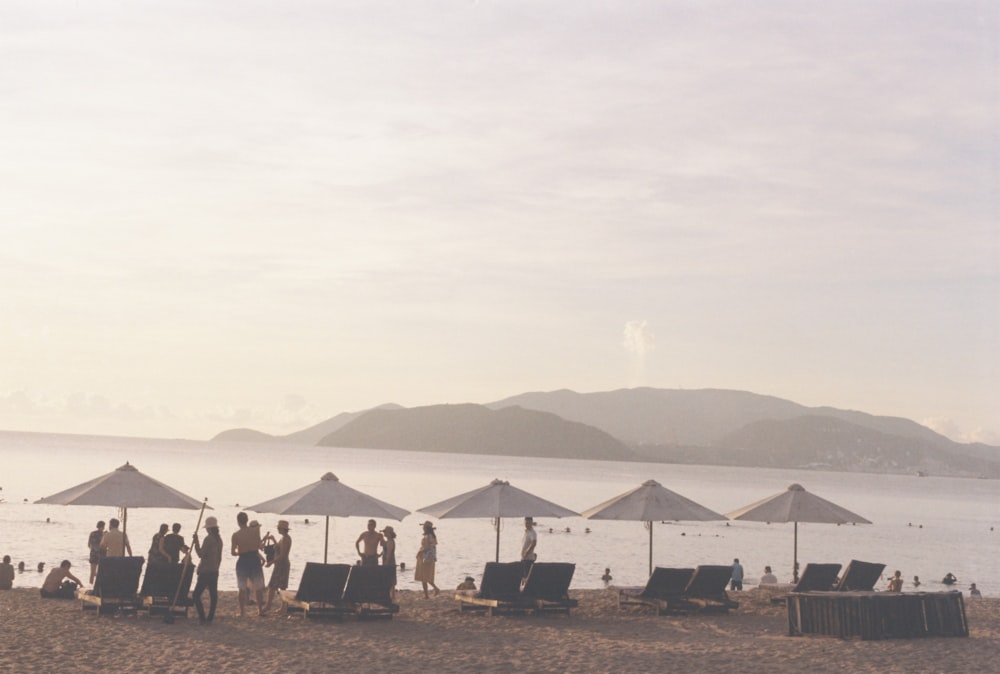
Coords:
pixel 497 522
pixel 326 539
pixel 169 618
pixel 795 555
pixel 650 547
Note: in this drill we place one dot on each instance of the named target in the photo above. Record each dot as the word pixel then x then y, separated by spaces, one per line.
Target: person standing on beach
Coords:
pixel 281 563
pixel 7 574
pixel 246 545
pixel 172 544
pixel 528 543
pixel 427 559
pixel 156 554
pixel 115 543
pixel 736 581
pixel 210 553
pixel 389 556
pixel 94 543
pixel 372 540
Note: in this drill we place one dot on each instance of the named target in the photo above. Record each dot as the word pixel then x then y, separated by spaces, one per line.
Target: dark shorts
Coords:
pixel 249 571
pixel 369 560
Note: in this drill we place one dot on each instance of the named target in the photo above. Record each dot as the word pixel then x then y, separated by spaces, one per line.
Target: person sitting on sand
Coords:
pixel 468 584
pixel 60 583
pixel 7 574
pixel 768 578
pixel 949 579
pixel 974 592
pixel 115 541
pixel 896 582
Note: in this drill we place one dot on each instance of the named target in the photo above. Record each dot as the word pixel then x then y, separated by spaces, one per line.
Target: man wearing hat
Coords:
pixel 210 553
pixel 281 564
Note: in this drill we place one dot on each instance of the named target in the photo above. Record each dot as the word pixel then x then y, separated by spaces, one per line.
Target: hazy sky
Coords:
pixel 221 214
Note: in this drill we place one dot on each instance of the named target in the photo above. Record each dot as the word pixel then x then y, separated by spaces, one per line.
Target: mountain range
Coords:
pixel 706 426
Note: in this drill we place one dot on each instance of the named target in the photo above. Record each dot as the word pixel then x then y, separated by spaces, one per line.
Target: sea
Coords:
pixel 923 526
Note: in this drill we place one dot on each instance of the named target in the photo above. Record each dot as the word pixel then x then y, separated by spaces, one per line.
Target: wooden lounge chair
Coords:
pixel 860 576
pixel 501 584
pixel 664 586
pixel 368 592
pixel 706 591
pixel 160 586
pixel 546 589
pixel 116 586
pixel 321 591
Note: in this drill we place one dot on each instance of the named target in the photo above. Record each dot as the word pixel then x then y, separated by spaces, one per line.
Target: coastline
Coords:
pixel 432 635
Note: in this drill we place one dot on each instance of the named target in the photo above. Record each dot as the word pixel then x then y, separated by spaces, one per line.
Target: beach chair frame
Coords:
pixel 116 587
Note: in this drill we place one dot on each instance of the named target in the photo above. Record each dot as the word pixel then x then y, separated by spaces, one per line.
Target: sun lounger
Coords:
pixel 116 586
pixel 546 588
pixel 860 576
pixel 818 578
pixel 321 591
pixel 160 585
pixel 664 586
pixel 501 584
pixel 368 592
pixel 706 591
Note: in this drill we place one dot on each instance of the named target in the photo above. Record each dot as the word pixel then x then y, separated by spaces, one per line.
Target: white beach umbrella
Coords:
pixel 795 504
pixel 330 498
pixel 125 487
pixel 648 503
pixel 496 500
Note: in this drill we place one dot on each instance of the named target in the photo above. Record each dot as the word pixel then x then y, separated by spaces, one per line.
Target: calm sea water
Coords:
pixel 924 526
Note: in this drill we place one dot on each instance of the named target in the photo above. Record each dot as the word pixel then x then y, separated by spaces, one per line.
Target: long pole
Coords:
pixel 187 562
pixel 326 540
pixel 496 522
pixel 795 555
pixel 651 547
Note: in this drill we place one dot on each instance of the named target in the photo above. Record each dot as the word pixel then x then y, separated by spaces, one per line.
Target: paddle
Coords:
pixel 169 617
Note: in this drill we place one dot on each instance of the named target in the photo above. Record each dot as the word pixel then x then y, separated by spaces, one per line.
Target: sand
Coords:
pixel 432 635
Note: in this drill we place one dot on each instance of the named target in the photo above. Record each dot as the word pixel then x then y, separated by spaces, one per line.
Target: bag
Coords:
pixel 430 554
pixel 269 552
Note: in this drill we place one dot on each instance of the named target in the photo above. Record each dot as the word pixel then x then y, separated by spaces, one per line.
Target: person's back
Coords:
pixel 6 574
pixel 115 542
pixel 768 578
pixel 173 544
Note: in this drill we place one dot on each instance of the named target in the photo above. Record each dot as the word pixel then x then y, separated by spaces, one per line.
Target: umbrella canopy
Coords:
pixel 496 500
pixel 125 487
pixel 795 504
pixel 647 503
pixel 330 497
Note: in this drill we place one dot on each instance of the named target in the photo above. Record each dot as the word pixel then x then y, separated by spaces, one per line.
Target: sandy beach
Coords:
pixel 432 635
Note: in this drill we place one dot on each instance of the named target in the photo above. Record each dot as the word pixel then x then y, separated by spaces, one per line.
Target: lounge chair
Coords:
pixel 706 591
pixel 501 584
pixel 162 583
pixel 860 576
pixel 546 588
pixel 368 591
pixel 818 578
pixel 321 591
pixel 664 586
pixel 116 586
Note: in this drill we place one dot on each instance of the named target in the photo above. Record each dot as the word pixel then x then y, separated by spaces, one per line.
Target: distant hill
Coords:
pixel 707 426
pixel 476 429
pixel 307 436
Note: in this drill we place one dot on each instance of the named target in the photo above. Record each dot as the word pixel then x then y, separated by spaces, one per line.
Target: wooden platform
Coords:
pixel 877 615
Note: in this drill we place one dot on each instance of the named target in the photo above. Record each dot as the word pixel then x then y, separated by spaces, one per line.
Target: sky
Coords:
pixel 261 214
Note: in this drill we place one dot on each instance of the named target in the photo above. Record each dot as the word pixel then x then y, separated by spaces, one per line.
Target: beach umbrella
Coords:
pixel 795 504
pixel 496 500
pixel 330 498
pixel 125 487
pixel 648 503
